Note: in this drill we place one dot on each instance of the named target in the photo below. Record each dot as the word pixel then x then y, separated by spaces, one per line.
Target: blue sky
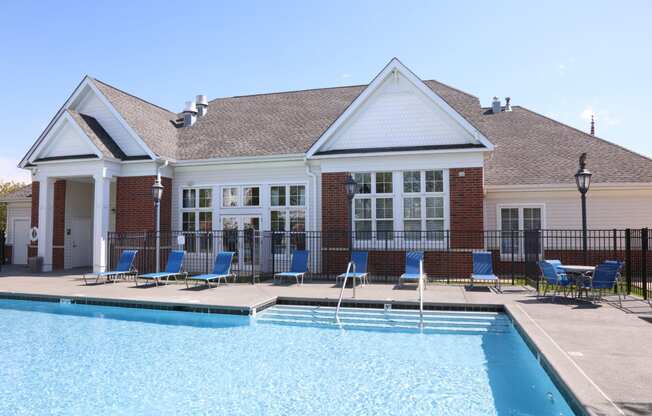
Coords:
pixel 563 59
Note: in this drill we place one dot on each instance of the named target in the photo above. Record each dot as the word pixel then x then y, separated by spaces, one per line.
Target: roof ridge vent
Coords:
pixel 495 106
pixel 508 106
pixel 189 114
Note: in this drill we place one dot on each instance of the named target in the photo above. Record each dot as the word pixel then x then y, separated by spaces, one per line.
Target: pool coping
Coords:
pixel 569 379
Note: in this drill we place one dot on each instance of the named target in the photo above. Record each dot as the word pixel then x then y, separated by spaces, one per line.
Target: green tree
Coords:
pixel 7 188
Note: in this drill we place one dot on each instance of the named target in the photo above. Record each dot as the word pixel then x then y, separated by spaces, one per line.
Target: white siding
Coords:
pixel 398 114
pixel 67 141
pixel 606 209
pixel 242 174
pixel 16 210
pixel 94 107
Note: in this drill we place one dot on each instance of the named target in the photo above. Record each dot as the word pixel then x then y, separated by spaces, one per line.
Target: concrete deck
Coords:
pixel 602 353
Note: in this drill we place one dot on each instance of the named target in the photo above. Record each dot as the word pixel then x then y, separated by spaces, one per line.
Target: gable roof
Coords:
pixel 97 135
pixel 155 125
pixel 23 193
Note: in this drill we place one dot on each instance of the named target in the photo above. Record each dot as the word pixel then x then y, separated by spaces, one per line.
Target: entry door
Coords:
pixel 21 239
pixel 81 246
pixel 239 232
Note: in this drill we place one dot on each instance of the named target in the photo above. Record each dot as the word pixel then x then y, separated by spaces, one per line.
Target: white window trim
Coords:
pixel 397 198
pixel 499 225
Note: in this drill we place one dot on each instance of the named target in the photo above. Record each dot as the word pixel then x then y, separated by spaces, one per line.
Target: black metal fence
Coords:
pixel 2 247
pixel 448 255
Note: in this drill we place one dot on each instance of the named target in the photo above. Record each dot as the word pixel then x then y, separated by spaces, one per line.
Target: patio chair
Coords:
pixel 413 269
pixel 359 271
pixel 483 269
pixel 124 268
pixel 298 267
pixel 605 277
pixel 553 277
pixel 172 269
pixel 221 270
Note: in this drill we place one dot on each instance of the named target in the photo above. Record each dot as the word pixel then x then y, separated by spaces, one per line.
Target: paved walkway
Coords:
pixel 604 354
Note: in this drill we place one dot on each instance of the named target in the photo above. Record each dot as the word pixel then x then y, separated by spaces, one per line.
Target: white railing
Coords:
pixel 349 269
pixel 421 283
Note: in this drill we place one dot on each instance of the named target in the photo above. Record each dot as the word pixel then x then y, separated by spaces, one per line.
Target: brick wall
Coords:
pixel 32 250
pixel 135 207
pixel 335 214
pixel 466 207
pixel 58 225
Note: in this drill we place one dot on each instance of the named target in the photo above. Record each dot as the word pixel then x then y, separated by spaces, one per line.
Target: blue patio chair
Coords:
pixel 124 268
pixel 298 267
pixel 553 277
pixel 483 270
pixel 605 277
pixel 359 260
pixel 413 269
pixel 172 269
pixel 221 270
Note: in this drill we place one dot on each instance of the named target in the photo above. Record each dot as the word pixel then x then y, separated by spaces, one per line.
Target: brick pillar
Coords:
pixel 135 207
pixel 32 250
pixel 58 225
pixel 335 221
pixel 466 208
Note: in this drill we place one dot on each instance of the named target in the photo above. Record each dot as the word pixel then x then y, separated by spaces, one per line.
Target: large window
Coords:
pixel 411 202
pixel 288 213
pixel 197 218
pixel 240 196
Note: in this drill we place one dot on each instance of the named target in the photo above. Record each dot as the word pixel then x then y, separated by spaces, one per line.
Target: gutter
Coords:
pixel 313 187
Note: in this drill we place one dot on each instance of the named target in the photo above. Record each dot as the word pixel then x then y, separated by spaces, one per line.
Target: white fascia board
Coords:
pixel 395 64
pixel 397 153
pixel 240 159
pixel 395 162
pixel 64 117
pixel 122 121
pixel 569 187
pixel 76 168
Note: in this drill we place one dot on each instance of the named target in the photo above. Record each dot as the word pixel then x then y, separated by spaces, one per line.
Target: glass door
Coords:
pixel 241 234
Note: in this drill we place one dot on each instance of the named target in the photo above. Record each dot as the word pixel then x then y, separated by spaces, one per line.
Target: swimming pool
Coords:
pixel 81 359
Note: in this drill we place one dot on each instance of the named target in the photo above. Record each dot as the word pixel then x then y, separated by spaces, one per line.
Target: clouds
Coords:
pixel 602 116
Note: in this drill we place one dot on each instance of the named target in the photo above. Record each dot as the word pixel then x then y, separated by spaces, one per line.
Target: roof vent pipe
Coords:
pixel 189 114
pixel 495 106
pixel 202 105
pixel 508 106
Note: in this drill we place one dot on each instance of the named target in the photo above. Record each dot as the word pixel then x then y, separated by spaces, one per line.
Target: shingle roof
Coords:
pixel 153 124
pixel 20 194
pixel 530 148
pixel 97 134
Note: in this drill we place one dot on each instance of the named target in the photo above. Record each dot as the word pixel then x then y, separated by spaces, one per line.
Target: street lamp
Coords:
pixel 583 181
pixel 157 194
pixel 351 187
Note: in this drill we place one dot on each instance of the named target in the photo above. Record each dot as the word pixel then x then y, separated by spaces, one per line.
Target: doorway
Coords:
pixel 21 239
pixel 241 234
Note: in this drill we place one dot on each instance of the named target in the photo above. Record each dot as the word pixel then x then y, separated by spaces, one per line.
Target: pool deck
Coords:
pixel 602 353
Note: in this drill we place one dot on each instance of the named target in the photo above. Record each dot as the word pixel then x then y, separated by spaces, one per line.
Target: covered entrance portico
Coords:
pixel 74 213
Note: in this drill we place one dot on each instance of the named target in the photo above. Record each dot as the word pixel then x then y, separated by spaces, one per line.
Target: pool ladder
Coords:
pixel 351 269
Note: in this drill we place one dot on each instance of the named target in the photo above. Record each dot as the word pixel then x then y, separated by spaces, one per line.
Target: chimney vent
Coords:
pixel 189 114
pixel 495 106
pixel 508 106
pixel 202 105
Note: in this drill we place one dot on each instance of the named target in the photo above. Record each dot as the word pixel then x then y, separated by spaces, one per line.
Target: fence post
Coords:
pixel 511 244
pixel 644 248
pixel 628 260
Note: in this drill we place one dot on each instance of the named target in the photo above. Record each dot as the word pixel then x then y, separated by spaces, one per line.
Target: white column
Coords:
pixel 45 221
pixel 101 218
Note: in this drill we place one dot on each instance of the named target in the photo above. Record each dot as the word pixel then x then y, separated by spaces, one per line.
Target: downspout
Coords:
pixel 313 186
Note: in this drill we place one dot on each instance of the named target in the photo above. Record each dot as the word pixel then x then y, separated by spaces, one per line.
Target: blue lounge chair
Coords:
pixel 221 270
pixel 172 269
pixel 553 277
pixel 605 277
pixel 483 270
pixel 359 260
pixel 125 268
pixel 298 268
pixel 413 269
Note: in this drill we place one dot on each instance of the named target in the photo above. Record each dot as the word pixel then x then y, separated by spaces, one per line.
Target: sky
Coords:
pixel 564 59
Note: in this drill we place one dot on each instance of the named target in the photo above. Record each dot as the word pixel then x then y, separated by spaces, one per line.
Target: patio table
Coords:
pixel 580 275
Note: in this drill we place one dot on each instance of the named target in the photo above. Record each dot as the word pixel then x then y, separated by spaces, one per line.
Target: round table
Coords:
pixel 580 275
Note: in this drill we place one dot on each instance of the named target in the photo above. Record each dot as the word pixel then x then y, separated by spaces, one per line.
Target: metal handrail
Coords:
pixel 421 293
pixel 350 266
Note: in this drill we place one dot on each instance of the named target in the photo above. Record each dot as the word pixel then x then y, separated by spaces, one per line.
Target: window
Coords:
pixel 411 181
pixel 362 218
pixel 384 182
pixel 434 181
pixel 385 218
pixel 288 213
pixel 251 196
pixel 364 182
pixel 197 218
pixel 373 206
pixel 230 197
pixel 277 194
pixel 297 195
pixel 423 214
pixel 514 223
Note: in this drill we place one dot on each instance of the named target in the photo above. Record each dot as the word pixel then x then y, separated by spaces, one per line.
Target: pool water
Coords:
pixel 79 359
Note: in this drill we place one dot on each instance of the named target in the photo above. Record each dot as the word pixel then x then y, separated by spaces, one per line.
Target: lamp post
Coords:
pixel 157 193
pixel 351 187
pixel 583 181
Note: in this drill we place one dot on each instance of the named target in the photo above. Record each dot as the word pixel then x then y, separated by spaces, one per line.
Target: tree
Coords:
pixel 7 188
